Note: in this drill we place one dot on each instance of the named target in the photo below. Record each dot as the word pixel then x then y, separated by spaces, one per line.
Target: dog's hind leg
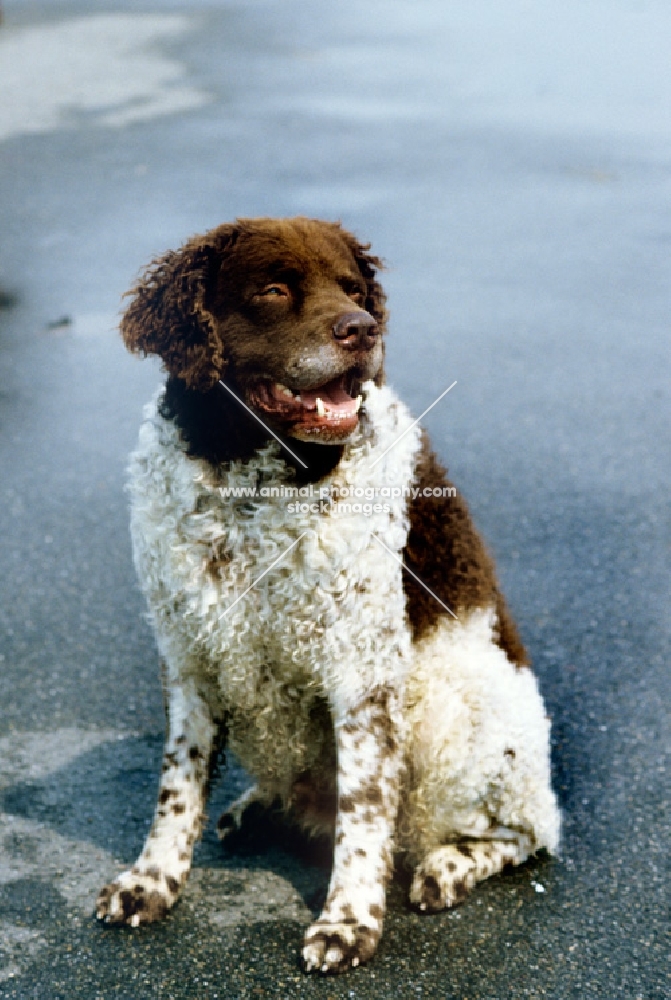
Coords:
pixel 447 874
pixel 152 885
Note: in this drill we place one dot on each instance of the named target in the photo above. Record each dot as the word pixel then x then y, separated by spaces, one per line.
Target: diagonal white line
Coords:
pixel 265 572
pixel 414 424
pixel 414 575
pixel 265 425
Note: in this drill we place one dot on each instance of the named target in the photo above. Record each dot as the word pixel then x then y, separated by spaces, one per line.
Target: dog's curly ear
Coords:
pixel 369 265
pixel 169 313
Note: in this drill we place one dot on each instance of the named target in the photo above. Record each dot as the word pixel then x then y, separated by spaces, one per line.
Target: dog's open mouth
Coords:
pixel 329 411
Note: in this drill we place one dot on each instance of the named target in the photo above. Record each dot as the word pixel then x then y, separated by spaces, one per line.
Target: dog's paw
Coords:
pixel 442 880
pixel 336 947
pixel 137 897
pixel 248 807
pixel 447 874
pixel 227 824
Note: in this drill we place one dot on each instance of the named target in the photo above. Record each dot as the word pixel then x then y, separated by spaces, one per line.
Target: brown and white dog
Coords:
pixel 360 660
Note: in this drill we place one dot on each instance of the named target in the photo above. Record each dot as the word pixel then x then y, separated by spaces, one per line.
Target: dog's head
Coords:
pixel 287 311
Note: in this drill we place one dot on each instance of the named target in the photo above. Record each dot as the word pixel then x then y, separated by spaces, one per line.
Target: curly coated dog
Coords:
pixel 321 600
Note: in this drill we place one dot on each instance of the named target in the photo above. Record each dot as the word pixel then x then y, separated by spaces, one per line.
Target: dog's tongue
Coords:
pixel 332 394
pixel 326 413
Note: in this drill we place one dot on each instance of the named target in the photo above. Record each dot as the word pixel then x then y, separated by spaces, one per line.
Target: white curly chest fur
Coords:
pixel 327 619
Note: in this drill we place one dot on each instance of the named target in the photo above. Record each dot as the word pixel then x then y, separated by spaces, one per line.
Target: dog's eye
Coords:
pixel 275 289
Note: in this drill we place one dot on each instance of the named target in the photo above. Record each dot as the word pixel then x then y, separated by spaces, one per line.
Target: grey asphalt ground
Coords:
pixel 512 163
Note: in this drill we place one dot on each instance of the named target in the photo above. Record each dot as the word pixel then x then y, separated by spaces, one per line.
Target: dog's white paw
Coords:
pixel 137 897
pixel 336 947
pixel 443 879
pixel 447 874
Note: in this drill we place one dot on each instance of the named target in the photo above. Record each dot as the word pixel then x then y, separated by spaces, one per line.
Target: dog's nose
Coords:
pixel 357 331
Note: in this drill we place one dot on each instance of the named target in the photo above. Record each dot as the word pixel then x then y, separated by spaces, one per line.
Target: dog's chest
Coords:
pixel 269 579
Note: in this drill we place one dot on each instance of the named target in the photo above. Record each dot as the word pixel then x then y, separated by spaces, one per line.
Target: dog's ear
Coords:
pixel 369 265
pixel 169 314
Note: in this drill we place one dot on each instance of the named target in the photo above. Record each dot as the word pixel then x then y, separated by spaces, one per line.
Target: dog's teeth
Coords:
pixel 321 409
pixel 358 403
pixel 284 390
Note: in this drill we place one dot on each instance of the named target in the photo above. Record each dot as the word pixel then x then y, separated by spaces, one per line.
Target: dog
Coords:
pixel 361 664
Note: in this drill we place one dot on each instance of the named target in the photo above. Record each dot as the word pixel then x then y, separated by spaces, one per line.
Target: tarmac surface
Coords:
pixel 512 164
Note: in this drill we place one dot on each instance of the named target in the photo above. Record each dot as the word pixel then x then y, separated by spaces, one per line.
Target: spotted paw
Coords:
pixel 430 894
pixel 444 879
pixel 137 897
pixel 336 947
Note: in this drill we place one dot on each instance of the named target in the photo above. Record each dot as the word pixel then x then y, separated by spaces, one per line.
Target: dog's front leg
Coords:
pixel 369 746
pixel 152 885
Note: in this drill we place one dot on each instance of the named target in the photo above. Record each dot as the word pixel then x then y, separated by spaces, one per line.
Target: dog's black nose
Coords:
pixel 358 331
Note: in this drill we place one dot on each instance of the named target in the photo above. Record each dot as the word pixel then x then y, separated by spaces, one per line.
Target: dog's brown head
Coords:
pixel 287 311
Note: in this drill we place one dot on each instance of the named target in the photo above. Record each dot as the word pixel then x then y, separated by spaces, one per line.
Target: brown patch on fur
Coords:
pixel 507 636
pixel 445 551
pixel 431 894
pixel 220 560
pixel 460 891
pixel 372 795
